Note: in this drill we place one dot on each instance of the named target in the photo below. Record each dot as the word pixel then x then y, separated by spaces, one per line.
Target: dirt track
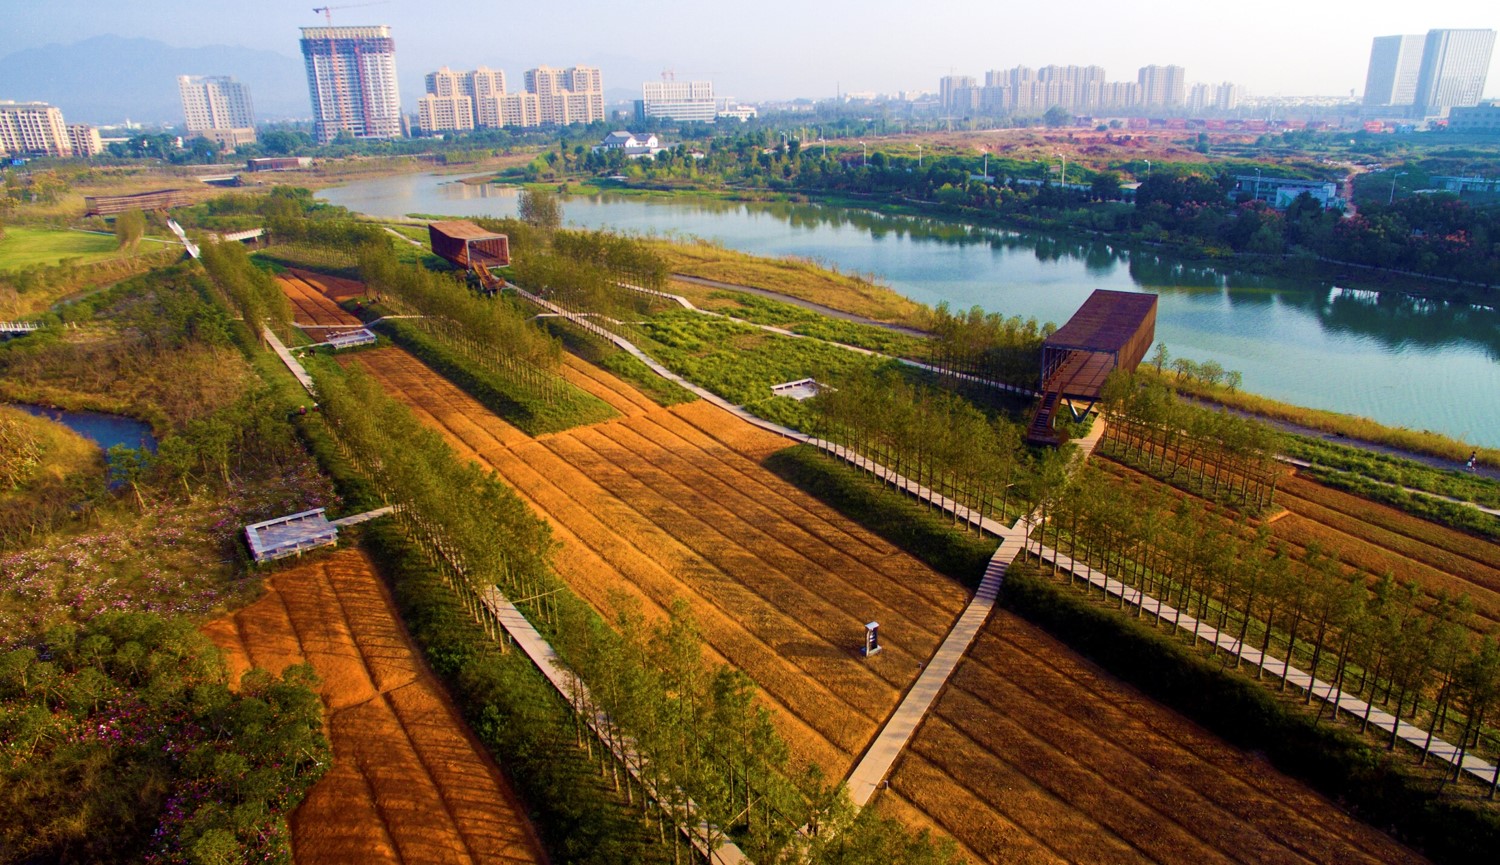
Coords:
pixel 408 783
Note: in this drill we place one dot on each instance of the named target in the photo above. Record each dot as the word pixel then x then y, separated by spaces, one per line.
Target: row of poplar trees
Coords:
pixel 679 728
pixel 1420 657
pixel 1217 454
pixel 932 437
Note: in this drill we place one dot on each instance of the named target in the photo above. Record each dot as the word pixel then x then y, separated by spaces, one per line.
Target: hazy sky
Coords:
pixel 771 49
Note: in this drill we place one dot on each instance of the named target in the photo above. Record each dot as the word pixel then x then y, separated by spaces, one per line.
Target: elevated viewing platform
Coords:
pixel 467 245
pixel 1112 330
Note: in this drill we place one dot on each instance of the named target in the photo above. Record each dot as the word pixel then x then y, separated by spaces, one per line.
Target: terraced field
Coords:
pixel 1032 755
pixel 311 307
pixel 1371 538
pixel 408 782
pixel 672 503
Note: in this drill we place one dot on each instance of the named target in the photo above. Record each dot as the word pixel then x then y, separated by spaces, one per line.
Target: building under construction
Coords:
pixel 472 248
pixel 1112 330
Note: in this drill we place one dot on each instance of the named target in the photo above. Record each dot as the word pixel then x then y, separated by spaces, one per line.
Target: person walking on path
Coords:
pixel 1473 455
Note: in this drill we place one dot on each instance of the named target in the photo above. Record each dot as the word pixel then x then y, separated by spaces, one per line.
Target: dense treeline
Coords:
pixel 487 346
pixel 627 259
pixel 1421 659
pixel 245 288
pixel 695 726
pixel 1435 235
pixel 939 440
pixel 124 742
pixel 1220 455
pixel 987 345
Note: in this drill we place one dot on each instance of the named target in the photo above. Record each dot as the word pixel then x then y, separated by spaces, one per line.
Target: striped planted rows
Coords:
pixel 1032 755
pixel 408 782
pixel 310 307
pixel 665 504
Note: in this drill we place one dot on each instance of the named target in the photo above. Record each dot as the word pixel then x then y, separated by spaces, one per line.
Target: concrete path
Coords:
pixel 399 236
pixel 1491 472
pixel 1494 512
pixel 869 773
pixel 356 519
pixel 805 304
pixel 291 362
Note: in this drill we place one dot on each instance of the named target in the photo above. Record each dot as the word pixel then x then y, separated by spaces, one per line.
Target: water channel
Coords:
pixel 1401 361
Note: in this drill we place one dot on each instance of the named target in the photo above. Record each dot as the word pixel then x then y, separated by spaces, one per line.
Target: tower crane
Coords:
pixel 328 10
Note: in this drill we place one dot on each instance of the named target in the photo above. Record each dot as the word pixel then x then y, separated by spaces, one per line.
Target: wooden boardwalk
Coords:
pixel 708 841
pixel 882 753
pixel 1280 668
pixel 291 363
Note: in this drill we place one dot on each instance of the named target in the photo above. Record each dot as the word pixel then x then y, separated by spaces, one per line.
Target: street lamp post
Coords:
pixel 986 153
pixel 1064 158
pixel 1148 169
pixel 864 155
pixel 919 156
pixel 1392 199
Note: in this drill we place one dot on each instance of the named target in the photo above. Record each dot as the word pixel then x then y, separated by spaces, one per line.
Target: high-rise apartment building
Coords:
pixel 681 101
pixel 1079 89
pixel 478 99
pixel 1163 86
pixel 33 129
pixel 1455 64
pixel 1395 63
pixel 85 140
pixel 218 108
pixel 351 77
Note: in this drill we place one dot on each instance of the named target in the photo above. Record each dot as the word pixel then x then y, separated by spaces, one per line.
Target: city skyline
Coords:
pixel 819 52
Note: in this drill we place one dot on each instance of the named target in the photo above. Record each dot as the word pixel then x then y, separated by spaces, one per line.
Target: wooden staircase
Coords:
pixel 1040 431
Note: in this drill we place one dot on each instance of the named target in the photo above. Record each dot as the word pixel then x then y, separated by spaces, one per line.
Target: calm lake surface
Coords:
pixel 105 430
pixel 1401 361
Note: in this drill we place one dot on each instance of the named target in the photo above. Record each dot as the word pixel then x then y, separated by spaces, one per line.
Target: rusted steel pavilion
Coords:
pixel 470 247
pixel 161 199
pixel 1112 330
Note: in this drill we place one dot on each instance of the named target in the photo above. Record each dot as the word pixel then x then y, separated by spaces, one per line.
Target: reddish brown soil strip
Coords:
pixel 409 783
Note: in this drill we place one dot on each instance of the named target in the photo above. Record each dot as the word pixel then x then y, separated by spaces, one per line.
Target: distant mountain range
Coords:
pixel 106 79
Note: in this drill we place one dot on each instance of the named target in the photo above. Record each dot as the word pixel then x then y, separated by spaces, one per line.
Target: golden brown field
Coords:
pixel 1033 755
pixel 1030 755
pixel 672 503
pixel 409 784
pixel 1369 538
pixel 310 306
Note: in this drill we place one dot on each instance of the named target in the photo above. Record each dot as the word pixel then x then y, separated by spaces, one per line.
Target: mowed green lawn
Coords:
pixel 24 247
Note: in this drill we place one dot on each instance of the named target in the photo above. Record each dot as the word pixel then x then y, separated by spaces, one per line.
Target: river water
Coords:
pixel 1401 361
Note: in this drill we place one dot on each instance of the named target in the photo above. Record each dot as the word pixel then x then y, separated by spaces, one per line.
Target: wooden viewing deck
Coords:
pixel 1112 330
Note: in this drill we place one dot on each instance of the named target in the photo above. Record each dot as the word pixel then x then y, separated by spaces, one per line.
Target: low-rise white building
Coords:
pixel 631 145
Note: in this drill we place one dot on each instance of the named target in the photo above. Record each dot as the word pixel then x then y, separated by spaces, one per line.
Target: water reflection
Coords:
pixel 1400 360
